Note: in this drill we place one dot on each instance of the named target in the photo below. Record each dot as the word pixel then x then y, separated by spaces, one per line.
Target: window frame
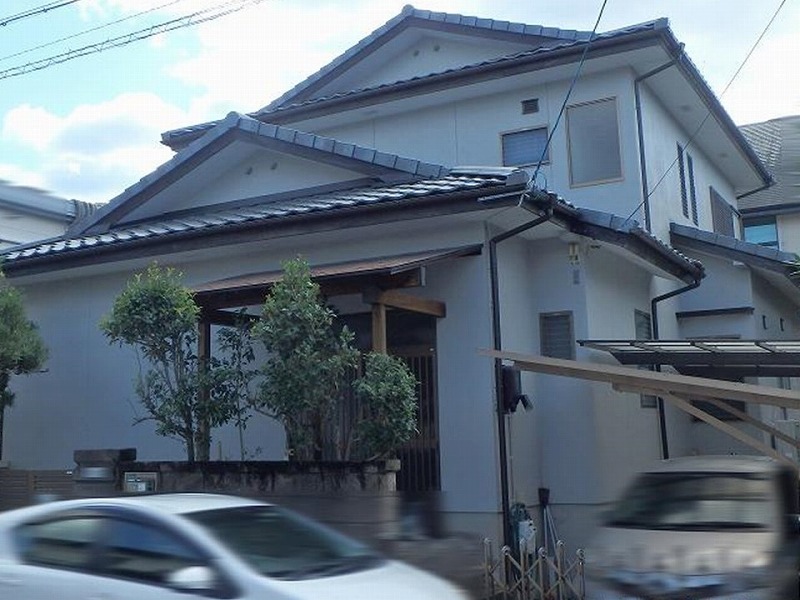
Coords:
pixel 511 132
pixel 760 222
pixel 621 176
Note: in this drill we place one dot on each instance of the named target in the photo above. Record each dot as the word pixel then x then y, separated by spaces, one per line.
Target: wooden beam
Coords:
pixel 753 421
pixel 379 328
pixel 398 299
pixel 729 429
pixel 653 382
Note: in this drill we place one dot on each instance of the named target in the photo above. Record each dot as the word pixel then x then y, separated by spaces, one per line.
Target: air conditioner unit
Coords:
pixel 790 427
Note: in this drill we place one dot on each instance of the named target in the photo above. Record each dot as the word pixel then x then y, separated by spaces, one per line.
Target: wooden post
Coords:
pixel 379 328
pixel 203 441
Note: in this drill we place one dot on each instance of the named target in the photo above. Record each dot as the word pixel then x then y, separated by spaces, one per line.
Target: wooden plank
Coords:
pixel 753 421
pixel 398 299
pixel 725 406
pixel 652 382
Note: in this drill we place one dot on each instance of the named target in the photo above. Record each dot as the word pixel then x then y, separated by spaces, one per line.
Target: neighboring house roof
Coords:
pixel 777 144
pixel 40 203
pixel 565 46
pixel 777 266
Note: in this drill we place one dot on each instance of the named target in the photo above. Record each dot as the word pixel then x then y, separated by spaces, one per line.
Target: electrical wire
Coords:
pixel 195 18
pixel 90 30
pixel 566 99
pixel 32 12
pixel 708 112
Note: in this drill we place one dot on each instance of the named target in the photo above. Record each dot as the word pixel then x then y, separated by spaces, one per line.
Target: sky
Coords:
pixel 90 127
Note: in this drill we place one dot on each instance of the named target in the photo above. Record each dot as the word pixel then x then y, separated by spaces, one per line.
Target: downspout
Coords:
pixel 662 418
pixel 498 364
pixel 640 133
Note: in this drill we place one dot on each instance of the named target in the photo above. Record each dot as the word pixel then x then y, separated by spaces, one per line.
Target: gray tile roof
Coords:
pixel 409 12
pixel 777 144
pixel 286 139
pixel 282 104
pixel 778 259
pixel 265 212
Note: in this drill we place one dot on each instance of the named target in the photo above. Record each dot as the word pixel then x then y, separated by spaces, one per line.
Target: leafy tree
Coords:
pixel 309 378
pixel 21 348
pixel 387 392
pixel 236 346
pixel 183 395
pixel 307 364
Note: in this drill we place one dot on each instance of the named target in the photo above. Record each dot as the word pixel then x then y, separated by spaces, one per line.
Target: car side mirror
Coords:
pixel 193 580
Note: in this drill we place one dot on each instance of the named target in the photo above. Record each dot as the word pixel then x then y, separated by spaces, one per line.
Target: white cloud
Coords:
pixel 96 150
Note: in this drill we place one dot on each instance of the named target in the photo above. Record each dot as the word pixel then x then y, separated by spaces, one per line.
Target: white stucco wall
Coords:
pixel 662 134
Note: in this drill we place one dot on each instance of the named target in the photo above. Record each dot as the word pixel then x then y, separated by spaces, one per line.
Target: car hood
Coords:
pixel 391 580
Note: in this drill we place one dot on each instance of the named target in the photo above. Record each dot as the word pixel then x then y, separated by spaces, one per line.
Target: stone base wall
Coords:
pixel 359 499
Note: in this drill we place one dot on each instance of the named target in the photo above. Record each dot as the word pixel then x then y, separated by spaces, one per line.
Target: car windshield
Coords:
pixel 695 501
pixel 281 544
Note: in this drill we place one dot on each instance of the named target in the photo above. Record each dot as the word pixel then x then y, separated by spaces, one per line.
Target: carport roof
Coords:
pixel 723 358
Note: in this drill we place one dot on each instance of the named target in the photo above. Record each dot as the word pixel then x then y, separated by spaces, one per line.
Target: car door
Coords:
pixel 54 559
pixel 139 557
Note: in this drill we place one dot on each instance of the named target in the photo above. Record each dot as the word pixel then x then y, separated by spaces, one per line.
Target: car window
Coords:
pixel 65 543
pixel 145 553
pixel 284 545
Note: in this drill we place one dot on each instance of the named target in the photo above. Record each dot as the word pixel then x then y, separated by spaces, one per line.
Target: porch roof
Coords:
pixel 388 272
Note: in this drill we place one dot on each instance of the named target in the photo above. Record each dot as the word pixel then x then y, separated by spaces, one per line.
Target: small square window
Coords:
pixel 522 148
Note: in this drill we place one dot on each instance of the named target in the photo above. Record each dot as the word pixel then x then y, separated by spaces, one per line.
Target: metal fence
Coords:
pixel 22 487
pixel 531 575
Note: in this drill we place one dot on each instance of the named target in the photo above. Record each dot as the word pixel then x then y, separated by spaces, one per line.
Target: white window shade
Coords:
pixel 522 148
pixel 594 151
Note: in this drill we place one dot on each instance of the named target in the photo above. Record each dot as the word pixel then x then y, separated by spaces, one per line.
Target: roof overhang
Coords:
pixel 624 235
pixel 773 265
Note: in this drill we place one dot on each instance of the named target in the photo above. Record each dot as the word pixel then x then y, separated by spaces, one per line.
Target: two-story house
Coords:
pixel 454 191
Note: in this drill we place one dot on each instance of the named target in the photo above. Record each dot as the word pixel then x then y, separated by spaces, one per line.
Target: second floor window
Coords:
pixel 593 138
pixel 525 148
pixel 762 231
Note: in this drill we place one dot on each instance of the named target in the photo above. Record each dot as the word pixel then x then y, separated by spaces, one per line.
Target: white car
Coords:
pixel 180 546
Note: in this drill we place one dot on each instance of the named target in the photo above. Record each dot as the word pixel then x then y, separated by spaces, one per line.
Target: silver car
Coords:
pixel 179 546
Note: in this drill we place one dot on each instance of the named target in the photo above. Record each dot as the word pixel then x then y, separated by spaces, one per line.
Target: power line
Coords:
pixel 86 31
pixel 708 112
pixel 195 18
pixel 569 93
pixel 32 12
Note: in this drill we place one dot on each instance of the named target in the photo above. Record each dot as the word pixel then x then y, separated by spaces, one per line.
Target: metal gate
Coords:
pixel 419 457
pixel 533 575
